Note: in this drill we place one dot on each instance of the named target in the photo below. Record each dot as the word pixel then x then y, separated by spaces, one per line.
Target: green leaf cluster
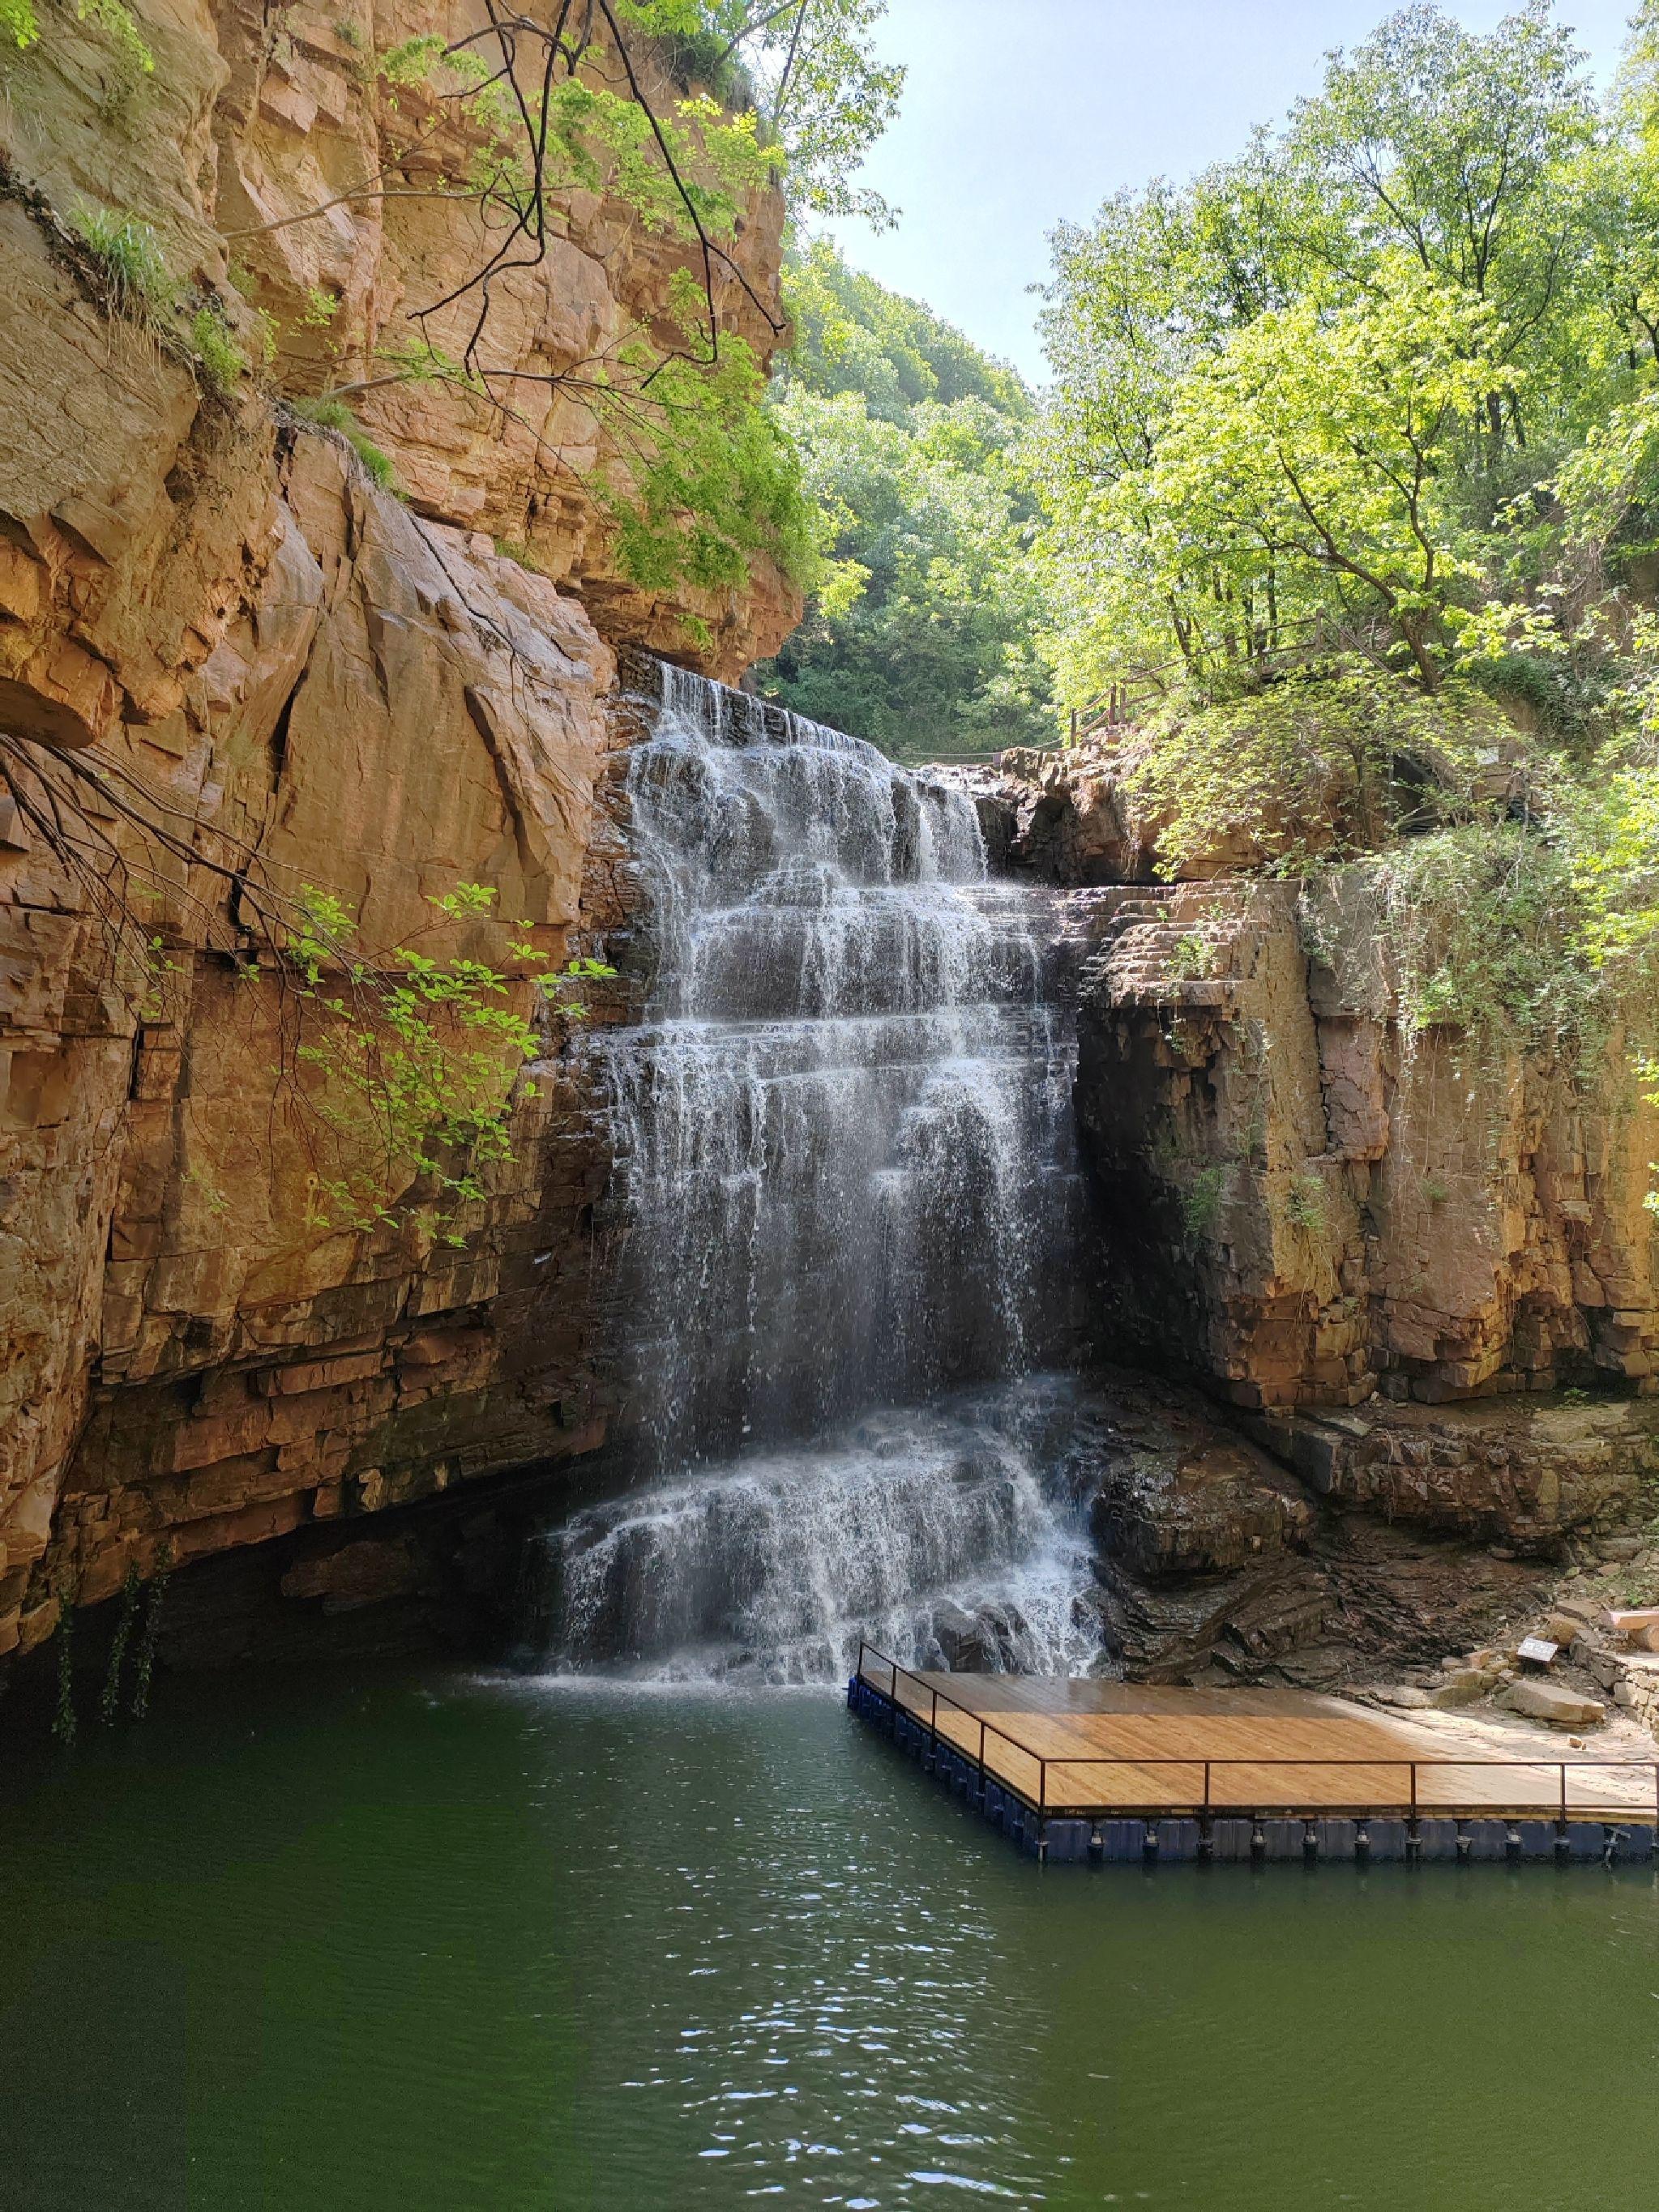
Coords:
pixel 705 480
pixel 20 26
pixel 132 257
pixel 808 71
pixel 1487 926
pixel 1301 404
pixel 415 1061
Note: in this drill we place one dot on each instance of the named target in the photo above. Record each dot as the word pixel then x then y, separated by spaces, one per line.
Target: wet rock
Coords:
pixel 1173 1491
pixel 364 1573
pixel 966 1640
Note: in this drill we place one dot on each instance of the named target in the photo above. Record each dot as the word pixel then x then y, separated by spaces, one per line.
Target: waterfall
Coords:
pixel 844 1155
pixel 931 1531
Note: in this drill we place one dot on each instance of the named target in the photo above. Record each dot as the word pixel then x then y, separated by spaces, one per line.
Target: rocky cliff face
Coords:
pixel 230 667
pixel 1342 1207
pixel 301 122
pixel 1357 1235
pixel 1310 1202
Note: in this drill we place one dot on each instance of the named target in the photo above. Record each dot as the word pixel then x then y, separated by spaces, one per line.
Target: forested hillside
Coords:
pixel 923 635
pixel 1353 461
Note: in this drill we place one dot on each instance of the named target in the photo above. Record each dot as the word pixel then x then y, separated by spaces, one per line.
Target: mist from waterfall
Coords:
pixel 844 1147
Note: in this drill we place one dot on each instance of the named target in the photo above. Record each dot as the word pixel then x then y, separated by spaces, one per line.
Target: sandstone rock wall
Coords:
pixel 388 710
pixel 1337 1207
pixel 230 668
pixel 302 122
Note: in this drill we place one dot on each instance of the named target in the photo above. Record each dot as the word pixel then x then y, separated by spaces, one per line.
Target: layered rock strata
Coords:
pixel 1218 1559
pixel 1308 1201
pixel 1341 1207
pixel 234 669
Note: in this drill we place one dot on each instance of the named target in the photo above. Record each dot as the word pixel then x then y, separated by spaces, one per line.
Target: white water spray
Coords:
pixel 844 1138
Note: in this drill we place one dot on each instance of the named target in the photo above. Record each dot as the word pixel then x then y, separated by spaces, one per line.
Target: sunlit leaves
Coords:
pixel 415 1061
pixel 921 636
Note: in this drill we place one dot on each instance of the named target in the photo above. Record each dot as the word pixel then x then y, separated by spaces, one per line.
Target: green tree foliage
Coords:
pixel 1296 400
pixel 415 1061
pixel 1352 458
pixel 920 636
pixel 807 67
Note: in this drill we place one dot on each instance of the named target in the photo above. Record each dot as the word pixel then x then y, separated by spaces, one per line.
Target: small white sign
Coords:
pixel 1537 1650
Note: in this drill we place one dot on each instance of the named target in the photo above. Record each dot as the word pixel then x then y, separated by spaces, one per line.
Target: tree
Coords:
pixel 1300 402
pixel 1299 490
pixel 921 637
pixel 809 69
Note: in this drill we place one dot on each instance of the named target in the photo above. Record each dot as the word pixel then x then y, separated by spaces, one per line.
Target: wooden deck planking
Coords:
pixel 1115 1746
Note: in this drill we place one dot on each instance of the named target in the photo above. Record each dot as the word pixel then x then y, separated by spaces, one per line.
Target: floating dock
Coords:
pixel 1082 1768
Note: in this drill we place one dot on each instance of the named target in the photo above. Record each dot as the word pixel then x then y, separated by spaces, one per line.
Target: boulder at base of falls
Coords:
pixel 1173 1491
pixel 983 1642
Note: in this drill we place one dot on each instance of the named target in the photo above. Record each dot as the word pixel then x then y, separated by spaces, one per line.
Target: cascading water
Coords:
pixel 843 1136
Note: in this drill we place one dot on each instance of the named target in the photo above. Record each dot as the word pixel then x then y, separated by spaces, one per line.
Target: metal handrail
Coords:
pixel 1043 1761
pixel 895 1670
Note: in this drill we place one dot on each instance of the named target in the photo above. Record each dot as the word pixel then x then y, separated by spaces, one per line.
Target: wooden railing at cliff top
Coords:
pixel 1112 709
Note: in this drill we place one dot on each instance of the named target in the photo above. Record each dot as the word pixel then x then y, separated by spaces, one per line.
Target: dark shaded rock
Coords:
pixel 1172 1488
pixel 363 1573
pixel 964 1640
pixel 1216 1564
pixel 984 1642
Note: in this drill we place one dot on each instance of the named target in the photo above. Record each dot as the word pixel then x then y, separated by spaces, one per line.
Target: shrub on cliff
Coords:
pixel 1319 765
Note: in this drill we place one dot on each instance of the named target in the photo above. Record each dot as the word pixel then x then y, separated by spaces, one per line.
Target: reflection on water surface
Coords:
pixel 489 1947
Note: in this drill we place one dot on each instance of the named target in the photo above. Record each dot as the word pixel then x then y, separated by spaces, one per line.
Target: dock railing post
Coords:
pixel 1042 1785
pixel 1564 1789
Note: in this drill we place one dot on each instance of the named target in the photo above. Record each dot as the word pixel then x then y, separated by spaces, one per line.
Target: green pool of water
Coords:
pixel 450 1943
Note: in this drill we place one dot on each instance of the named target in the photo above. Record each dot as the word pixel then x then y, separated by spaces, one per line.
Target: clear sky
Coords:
pixel 1019 113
